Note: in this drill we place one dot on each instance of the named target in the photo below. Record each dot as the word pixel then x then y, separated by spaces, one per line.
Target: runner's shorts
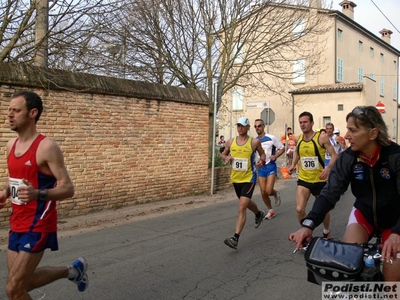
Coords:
pixel 32 241
pixel 245 189
pixel 267 170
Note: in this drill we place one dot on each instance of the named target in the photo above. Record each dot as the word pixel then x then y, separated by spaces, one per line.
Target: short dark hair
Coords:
pixel 307 114
pixel 289 128
pixel 32 100
pixel 259 120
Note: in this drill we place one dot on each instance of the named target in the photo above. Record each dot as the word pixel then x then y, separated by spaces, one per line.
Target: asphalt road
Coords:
pixel 182 256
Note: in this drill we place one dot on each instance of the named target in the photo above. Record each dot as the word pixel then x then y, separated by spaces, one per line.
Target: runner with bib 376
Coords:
pixel 311 148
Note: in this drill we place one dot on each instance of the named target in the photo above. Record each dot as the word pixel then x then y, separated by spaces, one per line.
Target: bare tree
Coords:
pixel 196 43
pixel 188 43
pixel 48 33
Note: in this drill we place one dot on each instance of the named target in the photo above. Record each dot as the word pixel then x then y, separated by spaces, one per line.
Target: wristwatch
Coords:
pixel 42 195
pixel 308 223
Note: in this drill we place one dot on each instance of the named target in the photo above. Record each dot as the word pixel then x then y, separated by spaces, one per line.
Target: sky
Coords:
pixel 368 15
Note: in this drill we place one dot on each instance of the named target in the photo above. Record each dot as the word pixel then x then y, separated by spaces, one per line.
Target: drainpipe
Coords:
pixel 292 114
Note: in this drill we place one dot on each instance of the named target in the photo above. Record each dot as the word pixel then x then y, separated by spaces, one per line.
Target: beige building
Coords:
pixel 359 68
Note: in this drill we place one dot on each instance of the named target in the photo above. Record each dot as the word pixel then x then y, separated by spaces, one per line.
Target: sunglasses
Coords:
pixel 360 111
pixel 258 126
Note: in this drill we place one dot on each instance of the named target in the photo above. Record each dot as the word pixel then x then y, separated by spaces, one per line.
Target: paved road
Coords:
pixel 182 256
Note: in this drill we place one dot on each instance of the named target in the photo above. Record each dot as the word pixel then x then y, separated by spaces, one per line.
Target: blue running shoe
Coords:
pixel 81 280
pixel 83 285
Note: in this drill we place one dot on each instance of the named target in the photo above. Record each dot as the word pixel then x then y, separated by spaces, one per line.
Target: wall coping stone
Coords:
pixel 26 75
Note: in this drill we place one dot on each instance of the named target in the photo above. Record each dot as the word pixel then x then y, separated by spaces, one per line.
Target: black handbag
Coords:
pixel 333 260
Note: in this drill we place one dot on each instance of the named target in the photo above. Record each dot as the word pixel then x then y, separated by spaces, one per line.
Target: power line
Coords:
pixel 385 16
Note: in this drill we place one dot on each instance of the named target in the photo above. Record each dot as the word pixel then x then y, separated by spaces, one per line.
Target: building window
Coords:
pixel 372 76
pixel 237 99
pixel 339 34
pixel 360 74
pixel 394 91
pixel 382 57
pixel 360 46
pixel 326 120
pixel 238 53
pixel 340 70
pixel 371 52
pixel 340 107
pixel 299 26
pixel 382 86
pixel 299 71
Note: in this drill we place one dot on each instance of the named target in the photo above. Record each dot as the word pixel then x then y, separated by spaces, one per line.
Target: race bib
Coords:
pixel 310 163
pixel 14 184
pixel 240 164
pixel 267 151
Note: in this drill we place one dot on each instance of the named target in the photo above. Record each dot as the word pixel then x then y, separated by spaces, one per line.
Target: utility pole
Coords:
pixel 41 29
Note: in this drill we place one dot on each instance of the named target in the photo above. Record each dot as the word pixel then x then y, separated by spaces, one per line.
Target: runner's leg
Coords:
pixel 302 195
pixel 264 185
pixel 244 203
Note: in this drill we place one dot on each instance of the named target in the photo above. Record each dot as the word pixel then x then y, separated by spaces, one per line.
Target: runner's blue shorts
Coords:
pixel 32 242
pixel 267 170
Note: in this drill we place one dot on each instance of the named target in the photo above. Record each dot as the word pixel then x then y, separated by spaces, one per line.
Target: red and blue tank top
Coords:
pixel 35 216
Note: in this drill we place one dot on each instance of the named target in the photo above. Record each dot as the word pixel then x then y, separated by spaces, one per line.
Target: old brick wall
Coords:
pixel 124 142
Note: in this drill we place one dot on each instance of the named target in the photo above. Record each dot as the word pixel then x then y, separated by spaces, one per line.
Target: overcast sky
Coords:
pixel 368 15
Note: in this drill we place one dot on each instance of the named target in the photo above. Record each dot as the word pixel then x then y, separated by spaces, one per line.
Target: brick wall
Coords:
pixel 124 142
pixel 222 178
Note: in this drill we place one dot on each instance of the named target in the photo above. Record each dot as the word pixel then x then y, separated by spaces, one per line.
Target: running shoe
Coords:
pixel 270 215
pixel 231 242
pixel 260 219
pixel 277 198
pixel 81 280
pixel 327 235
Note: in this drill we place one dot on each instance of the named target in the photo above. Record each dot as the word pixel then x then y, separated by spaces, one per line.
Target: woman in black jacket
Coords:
pixel 371 165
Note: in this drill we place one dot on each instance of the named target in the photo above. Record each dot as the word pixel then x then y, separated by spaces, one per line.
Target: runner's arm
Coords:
pixel 296 158
pixel 257 146
pixel 225 154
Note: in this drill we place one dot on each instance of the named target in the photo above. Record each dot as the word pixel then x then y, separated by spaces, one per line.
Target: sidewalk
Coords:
pixel 123 215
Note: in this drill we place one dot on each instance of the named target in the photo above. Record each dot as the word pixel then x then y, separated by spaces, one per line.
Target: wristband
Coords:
pixel 308 223
pixel 42 195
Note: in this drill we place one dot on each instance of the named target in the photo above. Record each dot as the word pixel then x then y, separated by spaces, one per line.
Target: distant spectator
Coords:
pixel 221 143
pixel 291 148
pixel 285 138
pixel 339 139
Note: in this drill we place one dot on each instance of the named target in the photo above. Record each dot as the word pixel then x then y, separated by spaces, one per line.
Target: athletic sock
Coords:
pixel 325 231
pixel 72 272
pixel 236 236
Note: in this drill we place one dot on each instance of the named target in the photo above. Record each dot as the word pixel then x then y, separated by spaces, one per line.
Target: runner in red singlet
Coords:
pixel 37 179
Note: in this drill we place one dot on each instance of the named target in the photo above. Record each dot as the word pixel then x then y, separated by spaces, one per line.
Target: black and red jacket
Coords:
pixel 376 189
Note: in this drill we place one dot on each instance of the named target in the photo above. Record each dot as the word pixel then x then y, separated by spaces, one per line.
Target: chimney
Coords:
pixel 348 8
pixel 385 35
pixel 315 4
